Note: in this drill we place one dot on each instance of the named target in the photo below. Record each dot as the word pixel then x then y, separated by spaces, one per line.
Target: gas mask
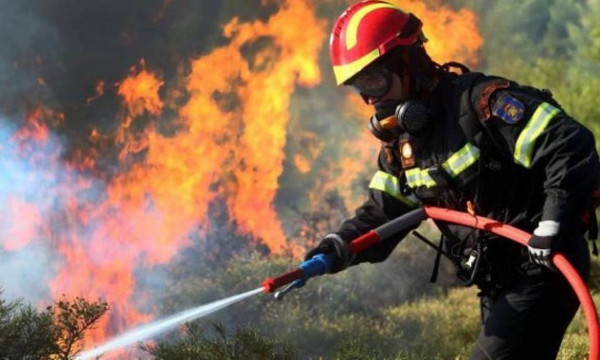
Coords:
pixel 392 118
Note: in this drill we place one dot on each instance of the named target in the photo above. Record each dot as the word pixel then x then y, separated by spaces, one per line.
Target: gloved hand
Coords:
pixel 541 242
pixel 333 244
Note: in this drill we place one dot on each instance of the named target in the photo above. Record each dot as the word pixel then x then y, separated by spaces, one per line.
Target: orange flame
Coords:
pixel 236 125
pixel 453 35
pixel 99 89
pixel 140 93
pixel 231 145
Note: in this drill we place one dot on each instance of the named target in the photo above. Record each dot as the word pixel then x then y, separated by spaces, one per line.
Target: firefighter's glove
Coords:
pixel 541 242
pixel 333 244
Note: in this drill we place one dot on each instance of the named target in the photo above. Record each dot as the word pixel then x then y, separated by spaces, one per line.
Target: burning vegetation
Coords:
pixel 177 132
pixel 132 191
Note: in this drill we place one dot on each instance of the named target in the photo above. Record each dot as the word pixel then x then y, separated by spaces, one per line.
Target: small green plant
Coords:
pixel 54 333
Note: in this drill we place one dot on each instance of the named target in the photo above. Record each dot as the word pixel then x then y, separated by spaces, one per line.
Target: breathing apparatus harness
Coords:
pixel 393 119
pixel 412 117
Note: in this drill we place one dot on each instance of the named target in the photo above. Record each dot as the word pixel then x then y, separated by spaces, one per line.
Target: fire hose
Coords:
pixel 321 263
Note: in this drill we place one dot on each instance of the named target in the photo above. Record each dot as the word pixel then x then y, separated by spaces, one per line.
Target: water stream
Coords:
pixel 149 330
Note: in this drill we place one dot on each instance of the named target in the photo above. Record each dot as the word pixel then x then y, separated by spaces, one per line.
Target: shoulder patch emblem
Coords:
pixel 509 109
pixel 484 94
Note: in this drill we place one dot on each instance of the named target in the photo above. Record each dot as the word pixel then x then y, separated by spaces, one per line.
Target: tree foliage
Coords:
pixel 71 319
pixel 56 332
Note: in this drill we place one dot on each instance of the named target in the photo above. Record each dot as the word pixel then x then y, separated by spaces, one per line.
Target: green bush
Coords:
pixel 54 333
pixel 198 343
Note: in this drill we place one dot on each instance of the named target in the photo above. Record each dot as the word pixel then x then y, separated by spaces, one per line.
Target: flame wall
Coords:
pixel 119 134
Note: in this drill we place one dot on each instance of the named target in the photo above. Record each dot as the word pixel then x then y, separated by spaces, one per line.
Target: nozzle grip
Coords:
pixel 317 265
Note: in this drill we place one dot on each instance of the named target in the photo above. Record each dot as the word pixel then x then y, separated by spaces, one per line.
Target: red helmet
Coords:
pixel 366 31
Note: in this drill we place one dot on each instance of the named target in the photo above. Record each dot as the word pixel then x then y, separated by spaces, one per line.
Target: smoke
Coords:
pixel 24 270
pixel 32 191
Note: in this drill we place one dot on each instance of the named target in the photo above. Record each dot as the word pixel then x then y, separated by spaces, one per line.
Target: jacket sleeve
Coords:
pixel 534 132
pixel 385 202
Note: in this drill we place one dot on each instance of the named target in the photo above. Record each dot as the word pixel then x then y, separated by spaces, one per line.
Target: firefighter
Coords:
pixel 470 142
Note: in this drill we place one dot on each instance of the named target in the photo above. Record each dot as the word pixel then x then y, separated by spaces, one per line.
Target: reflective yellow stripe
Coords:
pixel 454 166
pixel 389 184
pixel 352 29
pixel 461 160
pixel 418 177
pixel 345 72
pixel 526 141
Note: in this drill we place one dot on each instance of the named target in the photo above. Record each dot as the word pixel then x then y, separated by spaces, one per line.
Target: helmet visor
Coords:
pixel 374 81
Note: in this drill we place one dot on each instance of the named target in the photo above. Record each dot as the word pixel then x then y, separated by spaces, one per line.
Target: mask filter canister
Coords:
pixel 412 117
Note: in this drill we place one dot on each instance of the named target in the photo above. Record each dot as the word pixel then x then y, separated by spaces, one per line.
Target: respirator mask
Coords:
pixel 392 117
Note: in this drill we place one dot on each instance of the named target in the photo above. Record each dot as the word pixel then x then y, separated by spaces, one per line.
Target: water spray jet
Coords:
pixel 149 330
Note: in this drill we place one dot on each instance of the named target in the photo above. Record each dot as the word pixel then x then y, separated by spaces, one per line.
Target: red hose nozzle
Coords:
pixel 272 283
pixel 269 285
